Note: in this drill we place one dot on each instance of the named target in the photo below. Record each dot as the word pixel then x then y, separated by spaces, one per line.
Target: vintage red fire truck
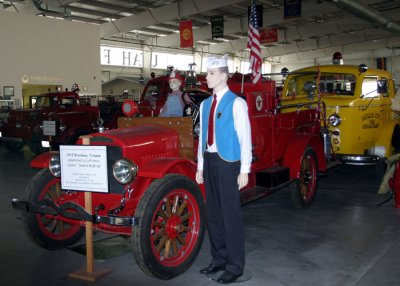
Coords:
pixel 25 126
pixel 152 194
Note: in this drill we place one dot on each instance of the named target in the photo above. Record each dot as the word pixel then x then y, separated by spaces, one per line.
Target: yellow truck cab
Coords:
pixel 362 127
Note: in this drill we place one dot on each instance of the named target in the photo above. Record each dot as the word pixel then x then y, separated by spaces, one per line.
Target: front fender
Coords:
pixel 159 167
pixel 295 150
pixel 42 161
pixel 385 138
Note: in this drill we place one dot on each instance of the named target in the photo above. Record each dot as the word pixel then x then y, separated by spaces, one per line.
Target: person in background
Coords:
pixel 174 104
pixel 224 159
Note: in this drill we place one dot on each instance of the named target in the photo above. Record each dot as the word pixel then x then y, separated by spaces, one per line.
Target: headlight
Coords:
pixel 55 166
pixel 124 171
pixel 63 127
pixel 334 120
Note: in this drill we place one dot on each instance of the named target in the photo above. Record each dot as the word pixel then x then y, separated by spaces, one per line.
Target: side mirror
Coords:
pixel 382 86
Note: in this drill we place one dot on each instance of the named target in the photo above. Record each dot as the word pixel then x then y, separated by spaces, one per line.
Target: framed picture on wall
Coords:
pixel 8 91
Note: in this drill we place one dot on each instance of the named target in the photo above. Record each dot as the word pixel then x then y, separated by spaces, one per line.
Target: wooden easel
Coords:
pixel 89 274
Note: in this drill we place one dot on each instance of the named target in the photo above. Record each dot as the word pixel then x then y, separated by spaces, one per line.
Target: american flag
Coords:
pixel 253 43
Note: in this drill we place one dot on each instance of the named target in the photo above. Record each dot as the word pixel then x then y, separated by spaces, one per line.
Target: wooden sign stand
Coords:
pixel 89 274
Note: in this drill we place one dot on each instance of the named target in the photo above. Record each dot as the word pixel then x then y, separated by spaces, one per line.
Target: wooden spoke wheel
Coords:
pixel 171 227
pixel 304 190
pixel 48 231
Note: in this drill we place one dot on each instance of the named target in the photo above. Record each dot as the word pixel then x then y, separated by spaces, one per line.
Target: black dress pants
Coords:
pixel 224 218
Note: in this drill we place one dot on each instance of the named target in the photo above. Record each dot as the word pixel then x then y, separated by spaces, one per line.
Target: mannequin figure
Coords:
pixel 174 104
pixel 224 160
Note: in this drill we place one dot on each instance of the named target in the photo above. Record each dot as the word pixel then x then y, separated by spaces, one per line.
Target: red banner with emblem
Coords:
pixel 186 34
pixel 268 35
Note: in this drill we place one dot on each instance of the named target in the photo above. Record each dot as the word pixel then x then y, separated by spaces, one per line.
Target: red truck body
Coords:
pixel 23 126
pixel 160 204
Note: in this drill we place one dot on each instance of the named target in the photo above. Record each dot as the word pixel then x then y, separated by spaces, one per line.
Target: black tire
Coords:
pixel 380 168
pixel 44 230
pixel 396 138
pixel 35 144
pixel 167 239
pixel 14 146
pixel 304 190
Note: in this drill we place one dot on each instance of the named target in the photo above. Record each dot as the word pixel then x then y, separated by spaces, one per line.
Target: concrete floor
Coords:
pixel 343 239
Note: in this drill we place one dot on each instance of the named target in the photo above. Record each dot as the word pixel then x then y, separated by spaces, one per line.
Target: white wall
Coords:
pixel 39 50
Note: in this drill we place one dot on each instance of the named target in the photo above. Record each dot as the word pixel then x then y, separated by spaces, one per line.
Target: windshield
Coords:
pixel 42 101
pixel 329 84
pixel 152 91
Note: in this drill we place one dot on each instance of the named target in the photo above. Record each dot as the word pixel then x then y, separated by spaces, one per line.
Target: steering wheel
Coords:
pixel 195 96
pixel 192 99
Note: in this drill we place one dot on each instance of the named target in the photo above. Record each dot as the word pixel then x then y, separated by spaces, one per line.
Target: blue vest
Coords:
pixel 225 136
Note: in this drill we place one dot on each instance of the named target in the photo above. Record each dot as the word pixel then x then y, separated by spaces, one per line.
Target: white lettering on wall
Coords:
pixel 121 57
pixel 179 62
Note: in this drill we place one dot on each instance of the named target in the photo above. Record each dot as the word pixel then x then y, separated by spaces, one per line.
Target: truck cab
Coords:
pixel 357 99
pixel 20 124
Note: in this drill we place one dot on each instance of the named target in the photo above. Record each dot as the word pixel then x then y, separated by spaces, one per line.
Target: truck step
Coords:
pixel 272 177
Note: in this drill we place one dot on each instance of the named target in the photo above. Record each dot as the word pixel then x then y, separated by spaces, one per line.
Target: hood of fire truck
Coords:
pixel 141 143
pixel 21 115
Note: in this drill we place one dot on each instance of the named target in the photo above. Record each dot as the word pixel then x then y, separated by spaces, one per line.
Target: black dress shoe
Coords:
pixel 228 277
pixel 210 269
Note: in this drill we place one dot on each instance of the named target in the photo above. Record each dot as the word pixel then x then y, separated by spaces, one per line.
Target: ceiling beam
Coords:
pixel 66 2
pixel 239 24
pixel 345 27
pixel 177 10
pixel 107 6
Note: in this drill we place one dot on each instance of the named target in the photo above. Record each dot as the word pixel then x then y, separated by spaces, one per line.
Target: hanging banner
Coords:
pixel 217 27
pixel 186 34
pixel 292 9
pixel 259 14
pixel 381 63
pixel 268 35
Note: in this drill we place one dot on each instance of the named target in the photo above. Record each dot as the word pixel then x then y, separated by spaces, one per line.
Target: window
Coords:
pixel 369 87
pixel 41 101
pixel 340 84
pixel 329 84
pixel 152 92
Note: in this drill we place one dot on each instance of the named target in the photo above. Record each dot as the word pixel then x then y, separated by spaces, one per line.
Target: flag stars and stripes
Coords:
pixel 254 45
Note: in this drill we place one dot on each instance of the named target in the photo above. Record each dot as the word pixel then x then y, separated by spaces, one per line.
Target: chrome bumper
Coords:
pixel 48 207
pixel 361 160
pixel 11 139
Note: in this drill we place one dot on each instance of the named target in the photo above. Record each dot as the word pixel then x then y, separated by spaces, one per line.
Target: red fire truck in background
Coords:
pixel 152 193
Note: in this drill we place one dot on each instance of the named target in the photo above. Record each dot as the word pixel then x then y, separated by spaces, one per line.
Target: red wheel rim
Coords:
pixel 51 227
pixel 175 228
pixel 308 177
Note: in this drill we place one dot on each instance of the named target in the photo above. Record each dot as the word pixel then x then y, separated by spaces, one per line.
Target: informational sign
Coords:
pixel 49 128
pixel 84 168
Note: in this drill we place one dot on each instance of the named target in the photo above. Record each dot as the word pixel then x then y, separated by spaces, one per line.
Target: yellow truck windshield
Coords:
pixel 329 84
